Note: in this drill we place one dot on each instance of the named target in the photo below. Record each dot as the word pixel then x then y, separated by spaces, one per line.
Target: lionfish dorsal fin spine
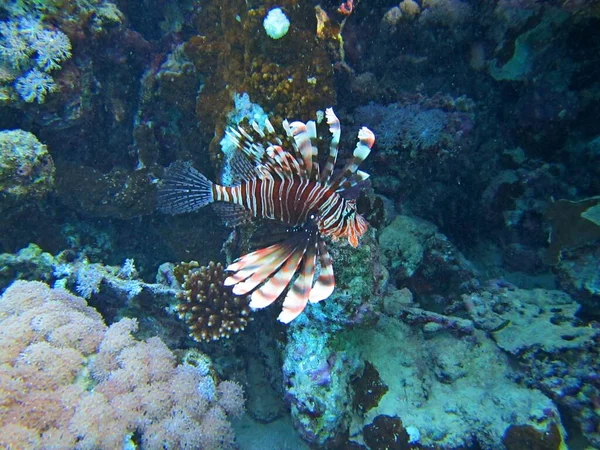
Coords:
pixel 256 127
pixel 284 163
pixel 366 139
pixel 335 130
pixel 295 150
pixel 311 127
pixel 358 177
pixel 234 135
pixel 269 126
pixel 286 127
pixel 244 133
pixel 244 142
pixel 265 172
pixel 240 169
pixel 301 135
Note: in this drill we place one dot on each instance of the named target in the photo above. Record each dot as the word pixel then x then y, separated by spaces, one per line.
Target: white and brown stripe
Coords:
pixel 288 200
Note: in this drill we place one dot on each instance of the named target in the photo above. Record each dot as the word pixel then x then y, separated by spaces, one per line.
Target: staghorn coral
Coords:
pixel 209 308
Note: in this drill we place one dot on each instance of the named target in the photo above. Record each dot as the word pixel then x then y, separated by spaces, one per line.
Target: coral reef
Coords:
pixel 423 145
pixel 26 169
pixel 120 193
pixel 29 263
pixel 209 308
pixel 422 259
pixel 20 39
pixel 289 77
pixel 520 320
pixel 558 353
pixel 442 389
pixel 574 224
pixel 116 291
pixel 69 381
pixel 318 376
pixel 570 379
pixel 468 316
pixel 578 275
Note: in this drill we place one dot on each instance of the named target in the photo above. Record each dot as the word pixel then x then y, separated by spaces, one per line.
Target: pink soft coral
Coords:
pixel 68 381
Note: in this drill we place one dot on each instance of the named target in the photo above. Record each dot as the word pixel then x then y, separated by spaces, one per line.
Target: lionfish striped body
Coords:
pixel 289 187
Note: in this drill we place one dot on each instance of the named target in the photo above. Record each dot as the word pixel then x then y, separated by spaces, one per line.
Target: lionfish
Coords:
pixel 288 186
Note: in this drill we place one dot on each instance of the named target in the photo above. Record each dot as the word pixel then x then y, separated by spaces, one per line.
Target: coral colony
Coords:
pixel 192 258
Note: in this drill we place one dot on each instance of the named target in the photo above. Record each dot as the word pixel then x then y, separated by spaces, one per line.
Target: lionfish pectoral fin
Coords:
pixel 297 297
pixel 268 266
pixel 268 292
pixel 248 264
pixel 251 259
pixel 325 283
pixel 353 239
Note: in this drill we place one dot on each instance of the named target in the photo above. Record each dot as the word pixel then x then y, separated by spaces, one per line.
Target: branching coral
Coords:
pixel 209 308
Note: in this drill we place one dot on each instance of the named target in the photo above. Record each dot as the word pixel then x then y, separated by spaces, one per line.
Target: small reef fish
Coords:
pixel 288 186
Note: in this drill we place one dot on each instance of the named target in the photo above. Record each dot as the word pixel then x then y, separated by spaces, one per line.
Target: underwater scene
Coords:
pixel 294 225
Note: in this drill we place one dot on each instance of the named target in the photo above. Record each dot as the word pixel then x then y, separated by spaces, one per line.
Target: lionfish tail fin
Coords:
pixel 183 190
